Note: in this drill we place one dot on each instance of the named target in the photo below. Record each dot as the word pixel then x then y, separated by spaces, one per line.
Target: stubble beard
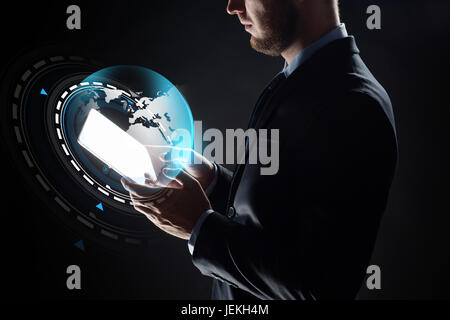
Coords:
pixel 279 29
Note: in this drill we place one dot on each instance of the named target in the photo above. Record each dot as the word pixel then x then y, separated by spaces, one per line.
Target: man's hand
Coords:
pixel 194 163
pixel 185 199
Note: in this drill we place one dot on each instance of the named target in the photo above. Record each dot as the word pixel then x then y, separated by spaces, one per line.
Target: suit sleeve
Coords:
pixel 219 195
pixel 320 243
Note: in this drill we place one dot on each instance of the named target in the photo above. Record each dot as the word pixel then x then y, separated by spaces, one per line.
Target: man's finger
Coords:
pixel 186 178
pixel 145 203
pixel 139 189
pixel 178 154
pixel 150 181
pixel 170 176
pixel 142 198
pixel 175 163
pixel 164 180
pixel 145 210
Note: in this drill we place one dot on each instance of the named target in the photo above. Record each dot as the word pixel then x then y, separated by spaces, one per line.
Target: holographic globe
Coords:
pixel 140 102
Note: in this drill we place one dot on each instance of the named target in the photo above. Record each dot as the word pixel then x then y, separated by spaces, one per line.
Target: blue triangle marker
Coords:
pixel 100 206
pixel 43 92
pixel 80 245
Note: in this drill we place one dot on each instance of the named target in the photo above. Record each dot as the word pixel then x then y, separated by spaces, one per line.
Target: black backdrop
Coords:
pixel 205 52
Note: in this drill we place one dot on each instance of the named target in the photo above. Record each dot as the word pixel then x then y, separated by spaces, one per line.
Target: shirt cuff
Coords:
pixel 196 230
pixel 213 183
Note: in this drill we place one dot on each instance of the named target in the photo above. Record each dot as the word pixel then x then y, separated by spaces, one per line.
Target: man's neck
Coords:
pixel 305 39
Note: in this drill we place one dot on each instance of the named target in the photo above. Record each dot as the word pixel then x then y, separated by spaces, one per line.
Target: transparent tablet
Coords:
pixel 116 148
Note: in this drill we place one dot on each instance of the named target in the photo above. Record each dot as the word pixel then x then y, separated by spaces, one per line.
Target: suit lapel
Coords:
pixel 299 80
pixel 268 106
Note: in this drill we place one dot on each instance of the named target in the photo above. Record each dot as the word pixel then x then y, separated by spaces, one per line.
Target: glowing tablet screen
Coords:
pixel 113 146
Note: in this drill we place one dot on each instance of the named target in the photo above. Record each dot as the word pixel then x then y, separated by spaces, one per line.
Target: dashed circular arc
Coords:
pixel 61 104
pixel 87 219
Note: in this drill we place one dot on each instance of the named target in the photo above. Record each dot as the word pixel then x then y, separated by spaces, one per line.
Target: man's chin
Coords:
pixel 264 46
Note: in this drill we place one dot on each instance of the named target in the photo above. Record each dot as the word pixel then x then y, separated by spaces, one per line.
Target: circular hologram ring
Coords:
pixel 42 91
pixel 65 145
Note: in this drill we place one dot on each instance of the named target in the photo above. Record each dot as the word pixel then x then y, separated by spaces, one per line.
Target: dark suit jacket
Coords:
pixel 307 232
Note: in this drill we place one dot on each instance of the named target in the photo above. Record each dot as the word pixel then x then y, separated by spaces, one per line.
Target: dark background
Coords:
pixel 197 46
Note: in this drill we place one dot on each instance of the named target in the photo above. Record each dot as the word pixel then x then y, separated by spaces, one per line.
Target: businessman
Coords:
pixel 307 232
